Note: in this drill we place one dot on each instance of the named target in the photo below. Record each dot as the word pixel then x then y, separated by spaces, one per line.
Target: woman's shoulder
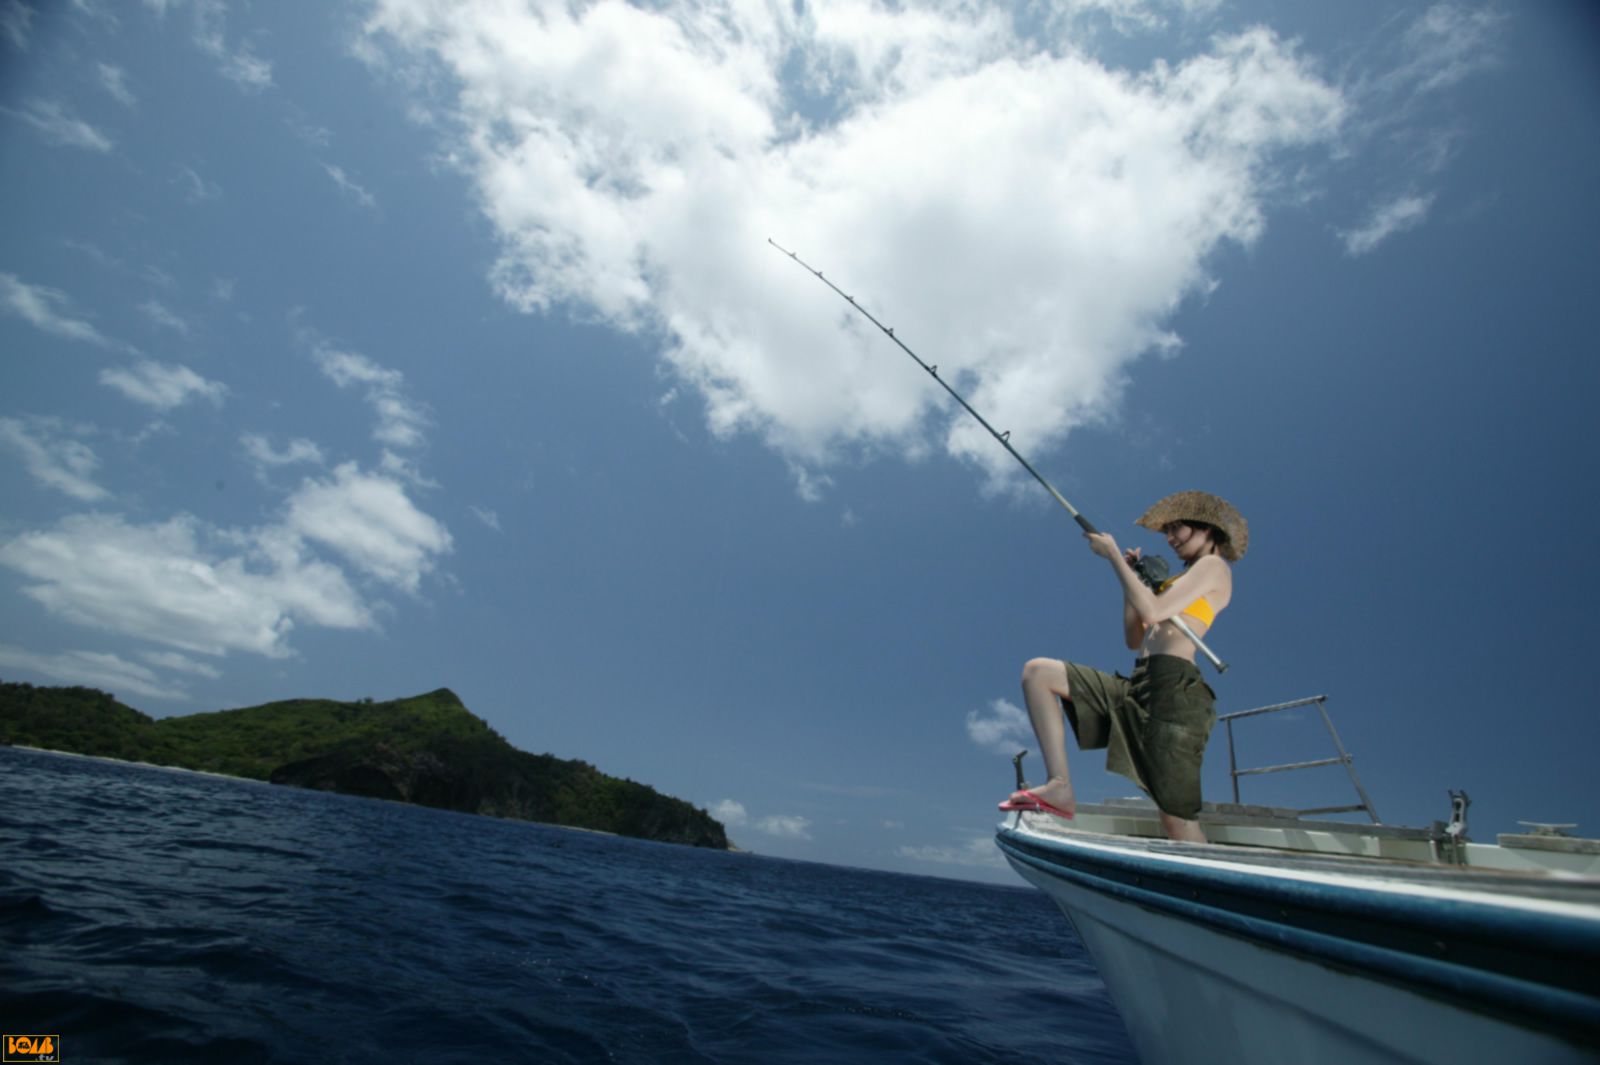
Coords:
pixel 1212 580
pixel 1213 569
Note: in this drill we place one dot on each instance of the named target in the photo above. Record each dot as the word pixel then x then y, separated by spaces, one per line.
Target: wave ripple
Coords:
pixel 154 915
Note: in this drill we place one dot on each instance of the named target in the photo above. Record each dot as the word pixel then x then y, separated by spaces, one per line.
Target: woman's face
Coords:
pixel 1188 542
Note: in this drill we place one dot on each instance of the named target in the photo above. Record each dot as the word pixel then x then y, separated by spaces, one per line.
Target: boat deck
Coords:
pixel 1553 867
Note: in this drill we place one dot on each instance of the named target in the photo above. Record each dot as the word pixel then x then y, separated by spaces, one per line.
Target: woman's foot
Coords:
pixel 1054 797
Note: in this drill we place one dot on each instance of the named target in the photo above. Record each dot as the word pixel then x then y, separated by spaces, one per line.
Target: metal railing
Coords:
pixel 1344 758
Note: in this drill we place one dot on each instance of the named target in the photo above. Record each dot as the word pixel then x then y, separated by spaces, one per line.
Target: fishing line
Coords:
pixel 1151 570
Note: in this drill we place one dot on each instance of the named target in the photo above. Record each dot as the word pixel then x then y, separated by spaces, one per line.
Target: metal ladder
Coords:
pixel 1344 758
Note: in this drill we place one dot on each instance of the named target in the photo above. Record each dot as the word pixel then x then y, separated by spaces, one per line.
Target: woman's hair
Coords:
pixel 1218 538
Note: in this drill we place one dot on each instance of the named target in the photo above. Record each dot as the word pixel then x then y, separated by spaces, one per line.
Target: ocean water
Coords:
pixel 151 915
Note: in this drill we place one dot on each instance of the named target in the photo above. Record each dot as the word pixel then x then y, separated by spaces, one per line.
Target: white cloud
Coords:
pixel 1003 728
pixel 1028 217
pixel 788 827
pixel 1447 44
pixel 350 188
pixel 399 466
pixel 162 385
pixel 246 70
pixel 183 584
pixel 809 485
pixel 16 19
pixel 46 309
pixel 60 127
pixel 1385 220
pixel 734 815
pixel 199 589
pixel 372 523
pixel 52 458
pixel 1405 120
pixel 345 368
pixel 308 131
pixel 400 420
pixel 96 9
pixel 296 451
pixel 99 255
pixel 181 664
pixel 92 669
pixel 488 517
pixel 115 81
pixel 205 590
pixel 239 65
pixel 197 189
pixel 978 851
pixel 161 315
pixel 1129 16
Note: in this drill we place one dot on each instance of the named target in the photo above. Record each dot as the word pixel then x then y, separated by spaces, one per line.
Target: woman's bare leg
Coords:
pixel 1179 829
pixel 1044 685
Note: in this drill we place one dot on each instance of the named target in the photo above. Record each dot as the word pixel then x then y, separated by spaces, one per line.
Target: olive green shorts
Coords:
pixel 1153 725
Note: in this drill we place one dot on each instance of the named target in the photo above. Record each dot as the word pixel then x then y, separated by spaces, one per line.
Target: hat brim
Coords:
pixel 1207 509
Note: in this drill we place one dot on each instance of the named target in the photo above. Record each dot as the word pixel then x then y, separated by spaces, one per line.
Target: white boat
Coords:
pixel 1290 939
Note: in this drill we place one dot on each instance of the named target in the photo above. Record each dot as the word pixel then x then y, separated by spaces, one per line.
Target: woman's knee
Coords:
pixel 1051 672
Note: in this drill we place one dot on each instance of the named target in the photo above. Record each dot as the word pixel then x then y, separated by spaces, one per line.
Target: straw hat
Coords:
pixel 1208 509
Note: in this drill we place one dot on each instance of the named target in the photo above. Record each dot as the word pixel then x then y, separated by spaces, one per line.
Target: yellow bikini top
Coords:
pixel 1201 609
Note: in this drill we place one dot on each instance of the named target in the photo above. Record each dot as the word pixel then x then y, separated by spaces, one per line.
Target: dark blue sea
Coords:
pixel 151 915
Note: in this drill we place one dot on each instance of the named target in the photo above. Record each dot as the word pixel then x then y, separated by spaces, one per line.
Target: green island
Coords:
pixel 428 749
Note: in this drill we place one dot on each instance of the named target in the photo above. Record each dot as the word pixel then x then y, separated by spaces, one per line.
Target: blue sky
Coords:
pixel 363 349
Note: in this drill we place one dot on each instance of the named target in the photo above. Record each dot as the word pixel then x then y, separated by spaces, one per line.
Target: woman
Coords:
pixel 1155 724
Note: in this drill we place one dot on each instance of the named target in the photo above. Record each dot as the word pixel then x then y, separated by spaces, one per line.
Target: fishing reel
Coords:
pixel 1152 569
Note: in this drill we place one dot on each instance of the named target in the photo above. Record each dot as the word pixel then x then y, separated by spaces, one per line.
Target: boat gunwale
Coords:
pixel 1545 885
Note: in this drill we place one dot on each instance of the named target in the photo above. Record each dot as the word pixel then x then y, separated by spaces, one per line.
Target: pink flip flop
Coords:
pixel 1040 804
pixel 1028 807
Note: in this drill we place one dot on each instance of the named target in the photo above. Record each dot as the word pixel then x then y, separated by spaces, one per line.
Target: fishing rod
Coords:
pixel 1151 570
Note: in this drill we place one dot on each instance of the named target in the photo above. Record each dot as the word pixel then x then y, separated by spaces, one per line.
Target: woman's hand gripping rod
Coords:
pixel 1004 438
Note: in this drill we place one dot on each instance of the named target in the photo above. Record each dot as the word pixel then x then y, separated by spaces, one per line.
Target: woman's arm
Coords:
pixel 1207 578
pixel 1133 628
pixel 1202 579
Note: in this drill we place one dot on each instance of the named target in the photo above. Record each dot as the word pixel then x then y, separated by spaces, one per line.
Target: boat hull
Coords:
pixel 1214 960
